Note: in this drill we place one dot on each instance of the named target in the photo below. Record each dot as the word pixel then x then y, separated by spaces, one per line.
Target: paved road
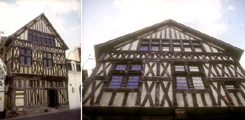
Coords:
pixel 63 115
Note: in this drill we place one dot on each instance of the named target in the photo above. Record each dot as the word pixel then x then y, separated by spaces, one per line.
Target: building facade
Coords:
pixel 165 71
pixel 74 78
pixel 36 69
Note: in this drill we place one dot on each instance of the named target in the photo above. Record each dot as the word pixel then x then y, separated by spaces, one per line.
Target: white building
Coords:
pixel 74 78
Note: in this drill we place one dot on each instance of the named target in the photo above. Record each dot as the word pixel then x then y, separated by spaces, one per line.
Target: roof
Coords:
pixel 111 43
pixel 26 26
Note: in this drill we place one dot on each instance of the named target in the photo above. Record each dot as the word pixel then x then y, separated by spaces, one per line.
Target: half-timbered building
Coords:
pixel 36 68
pixel 165 71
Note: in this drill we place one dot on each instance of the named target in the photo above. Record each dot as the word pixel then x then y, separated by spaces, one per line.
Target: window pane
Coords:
pixel 22 60
pixel 28 61
pixel 48 41
pixel 187 49
pixel 165 48
pixel 198 49
pixel 136 67
pixel 229 87
pixel 193 68
pixel 34 38
pixel 197 81
pixel 155 42
pixel 121 67
pixel 133 81
pixel 165 42
pixel 45 63
pixel 196 43
pixel 30 31
pixel 186 43
pixel 116 81
pixel 39 39
pixel 44 41
pixel 49 56
pixel 30 37
pixel 78 67
pixel 28 52
pixel 39 33
pixel 144 48
pixel 177 49
pixel 22 51
pixel 49 63
pixel 145 42
pixel 44 55
pixel 52 42
pixel 154 48
pixel 69 66
pixel 181 82
pixel 176 42
pixel 179 68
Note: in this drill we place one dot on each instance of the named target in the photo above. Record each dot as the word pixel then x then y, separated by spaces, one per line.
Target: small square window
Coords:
pixel 197 81
pixel 136 67
pixel 165 48
pixel 194 68
pixel 177 49
pixel 155 42
pixel 22 51
pixel 49 55
pixel 187 49
pixel 44 55
pixel 121 67
pixel 144 48
pixel 22 60
pixel 186 43
pixel 179 68
pixel 30 37
pixel 229 87
pixel 176 42
pixel 181 82
pixel 154 48
pixel 196 43
pixel 198 49
pixel 133 81
pixel 34 39
pixel 145 42
pixel 116 81
pixel 28 60
pixel 165 42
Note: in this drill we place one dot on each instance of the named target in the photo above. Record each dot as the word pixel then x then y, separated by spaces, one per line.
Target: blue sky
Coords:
pixel 104 20
pixel 64 15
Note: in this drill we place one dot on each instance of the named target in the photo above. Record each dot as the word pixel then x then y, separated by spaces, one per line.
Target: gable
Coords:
pixel 168 29
pixel 167 33
pixel 40 25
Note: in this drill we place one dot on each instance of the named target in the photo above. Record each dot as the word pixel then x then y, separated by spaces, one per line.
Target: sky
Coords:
pixel 64 15
pixel 104 20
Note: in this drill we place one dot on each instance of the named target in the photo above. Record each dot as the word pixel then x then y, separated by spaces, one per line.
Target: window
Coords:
pixel 126 75
pixel 197 82
pixel 144 48
pixel 47 59
pixel 116 81
pixel 187 49
pixel 194 68
pixel 176 42
pixel 41 38
pixel 25 56
pixel 155 48
pixel 121 67
pixel 229 87
pixel 133 81
pixel 145 42
pixel 165 48
pixel 179 68
pixel 177 49
pixel 136 67
pixel 191 78
pixel 198 49
pixel 78 67
pixel 155 42
pixel 181 82
pixel 69 65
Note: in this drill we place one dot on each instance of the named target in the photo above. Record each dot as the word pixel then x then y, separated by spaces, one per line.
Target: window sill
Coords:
pixel 107 89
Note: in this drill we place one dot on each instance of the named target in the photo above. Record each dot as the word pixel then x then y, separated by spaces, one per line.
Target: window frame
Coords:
pixel 126 73
pixel 47 59
pixel 41 38
pixel 25 55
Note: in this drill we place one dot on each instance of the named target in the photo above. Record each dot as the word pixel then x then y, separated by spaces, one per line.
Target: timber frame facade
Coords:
pixel 36 69
pixel 165 71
